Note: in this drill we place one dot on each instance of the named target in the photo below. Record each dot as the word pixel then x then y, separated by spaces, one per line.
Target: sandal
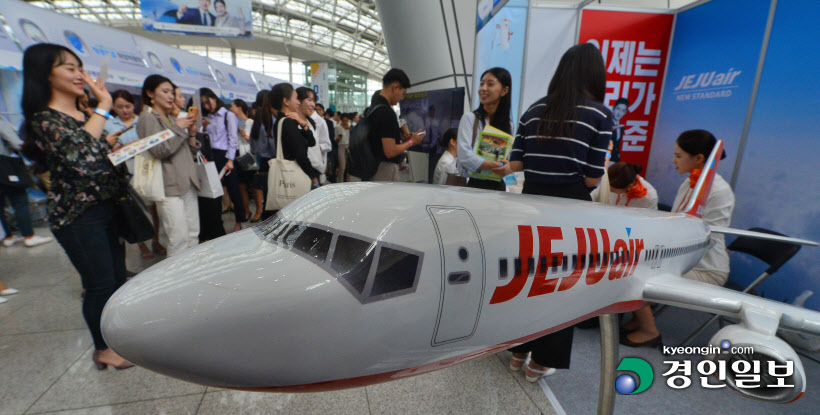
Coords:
pixel 146 253
pixel 532 375
pixel 516 363
pixel 158 248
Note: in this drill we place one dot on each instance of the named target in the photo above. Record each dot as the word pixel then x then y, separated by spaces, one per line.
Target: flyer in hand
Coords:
pixel 135 147
pixel 495 145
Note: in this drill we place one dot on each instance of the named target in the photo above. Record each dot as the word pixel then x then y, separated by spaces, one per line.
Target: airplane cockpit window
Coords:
pixel 314 242
pixel 396 271
pixel 351 259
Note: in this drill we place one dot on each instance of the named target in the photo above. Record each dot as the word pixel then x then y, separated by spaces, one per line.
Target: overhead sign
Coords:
pixel 188 70
pixel 635 47
pixel 235 83
pixel 202 17
pixel 91 42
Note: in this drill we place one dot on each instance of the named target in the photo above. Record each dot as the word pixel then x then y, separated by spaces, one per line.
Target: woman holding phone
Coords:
pixel 84 184
pixel 179 211
pixel 495 96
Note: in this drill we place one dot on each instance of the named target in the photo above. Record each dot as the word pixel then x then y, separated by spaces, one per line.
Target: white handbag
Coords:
pixel 209 184
pixel 286 180
pixel 147 180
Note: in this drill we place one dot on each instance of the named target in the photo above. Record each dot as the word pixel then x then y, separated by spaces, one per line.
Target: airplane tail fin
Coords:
pixel 704 183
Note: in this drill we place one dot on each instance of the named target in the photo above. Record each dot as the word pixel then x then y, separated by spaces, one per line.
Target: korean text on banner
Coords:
pixel 635 47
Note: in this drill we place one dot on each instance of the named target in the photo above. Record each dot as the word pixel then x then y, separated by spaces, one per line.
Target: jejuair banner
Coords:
pixel 223 18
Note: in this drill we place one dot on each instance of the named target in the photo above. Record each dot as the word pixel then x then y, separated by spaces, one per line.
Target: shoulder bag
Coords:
pixel 286 180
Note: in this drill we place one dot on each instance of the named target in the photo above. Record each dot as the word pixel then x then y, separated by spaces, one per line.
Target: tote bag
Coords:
pixel 209 184
pixel 132 220
pixel 286 180
pixel 147 180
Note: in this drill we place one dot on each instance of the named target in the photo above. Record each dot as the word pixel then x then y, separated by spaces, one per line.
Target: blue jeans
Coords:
pixel 92 245
pixel 19 201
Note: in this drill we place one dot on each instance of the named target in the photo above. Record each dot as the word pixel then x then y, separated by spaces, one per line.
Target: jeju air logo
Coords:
pixel 595 257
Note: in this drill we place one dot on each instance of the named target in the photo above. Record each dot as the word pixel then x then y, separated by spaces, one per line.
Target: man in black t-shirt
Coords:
pixel 385 133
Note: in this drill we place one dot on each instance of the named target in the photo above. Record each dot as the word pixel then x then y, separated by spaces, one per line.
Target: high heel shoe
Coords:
pixel 532 374
pixel 516 363
pixel 102 366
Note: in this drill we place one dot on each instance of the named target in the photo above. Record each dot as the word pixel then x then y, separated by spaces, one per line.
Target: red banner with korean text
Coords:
pixel 635 47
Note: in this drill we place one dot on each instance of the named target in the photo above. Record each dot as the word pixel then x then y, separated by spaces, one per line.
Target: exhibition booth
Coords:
pixel 732 67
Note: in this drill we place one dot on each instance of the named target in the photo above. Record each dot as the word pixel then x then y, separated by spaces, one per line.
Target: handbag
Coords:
pixel 209 184
pixel 455 179
pixel 147 180
pixel 246 160
pixel 286 180
pixel 14 174
pixel 132 220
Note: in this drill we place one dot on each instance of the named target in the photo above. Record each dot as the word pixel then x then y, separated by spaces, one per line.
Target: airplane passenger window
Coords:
pixel 542 265
pixel 503 272
pixel 352 259
pixel 314 242
pixel 396 271
pixel 531 265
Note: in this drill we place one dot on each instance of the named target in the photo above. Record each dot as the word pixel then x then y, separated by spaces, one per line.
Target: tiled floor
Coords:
pixel 45 367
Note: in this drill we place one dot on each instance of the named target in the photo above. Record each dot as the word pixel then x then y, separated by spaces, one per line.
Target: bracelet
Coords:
pixel 105 114
pixel 411 142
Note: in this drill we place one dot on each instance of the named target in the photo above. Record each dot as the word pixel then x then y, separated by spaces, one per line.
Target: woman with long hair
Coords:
pixel 692 149
pixel 241 110
pixel 223 130
pixel 495 95
pixel 296 134
pixel 84 184
pixel 178 212
pixel 561 146
pixel 263 145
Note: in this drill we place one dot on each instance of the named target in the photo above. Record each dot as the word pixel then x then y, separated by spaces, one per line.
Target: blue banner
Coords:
pixel 501 43
pixel 712 66
pixel 777 183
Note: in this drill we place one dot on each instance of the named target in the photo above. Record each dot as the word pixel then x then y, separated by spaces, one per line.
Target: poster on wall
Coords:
pixel 91 42
pixel 188 70
pixel 500 42
pixel 235 83
pixel 320 83
pixel 486 10
pixel 433 112
pixel 222 18
pixel 776 186
pixel 709 83
pixel 635 47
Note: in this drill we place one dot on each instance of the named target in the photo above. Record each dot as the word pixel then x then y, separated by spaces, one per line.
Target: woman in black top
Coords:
pixel 296 134
pixel 561 147
pixel 84 184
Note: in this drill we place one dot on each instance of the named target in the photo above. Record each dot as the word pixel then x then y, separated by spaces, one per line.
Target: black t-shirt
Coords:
pixel 383 124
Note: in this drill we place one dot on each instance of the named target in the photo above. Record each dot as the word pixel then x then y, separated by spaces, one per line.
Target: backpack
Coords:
pixel 362 162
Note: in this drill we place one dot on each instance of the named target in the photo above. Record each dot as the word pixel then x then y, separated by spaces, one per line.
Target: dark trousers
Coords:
pixel 92 245
pixel 486 184
pixel 19 201
pixel 231 182
pixel 554 349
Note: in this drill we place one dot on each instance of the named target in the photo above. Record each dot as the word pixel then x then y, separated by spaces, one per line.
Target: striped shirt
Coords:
pixel 563 160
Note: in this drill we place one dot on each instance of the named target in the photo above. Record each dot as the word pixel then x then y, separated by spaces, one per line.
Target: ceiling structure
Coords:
pixel 348 31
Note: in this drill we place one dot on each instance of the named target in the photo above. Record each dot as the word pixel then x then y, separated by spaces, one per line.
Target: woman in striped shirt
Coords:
pixel 561 147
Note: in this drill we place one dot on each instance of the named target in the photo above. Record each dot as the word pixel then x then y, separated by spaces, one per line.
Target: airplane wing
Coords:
pixel 761 235
pixel 759 313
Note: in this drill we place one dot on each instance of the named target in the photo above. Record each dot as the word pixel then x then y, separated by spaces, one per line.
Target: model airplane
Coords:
pixel 360 283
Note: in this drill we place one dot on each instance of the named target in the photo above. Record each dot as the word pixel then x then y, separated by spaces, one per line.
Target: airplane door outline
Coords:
pixel 462 274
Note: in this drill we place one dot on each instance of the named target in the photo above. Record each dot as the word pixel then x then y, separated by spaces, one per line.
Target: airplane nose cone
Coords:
pixel 186 316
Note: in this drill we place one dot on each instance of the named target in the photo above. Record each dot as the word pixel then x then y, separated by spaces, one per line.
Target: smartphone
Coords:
pixel 103 78
pixel 193 110
pixel 420 133
pixel 126 129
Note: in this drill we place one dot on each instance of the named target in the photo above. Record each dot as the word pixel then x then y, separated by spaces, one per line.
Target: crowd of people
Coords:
pixel 563 144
